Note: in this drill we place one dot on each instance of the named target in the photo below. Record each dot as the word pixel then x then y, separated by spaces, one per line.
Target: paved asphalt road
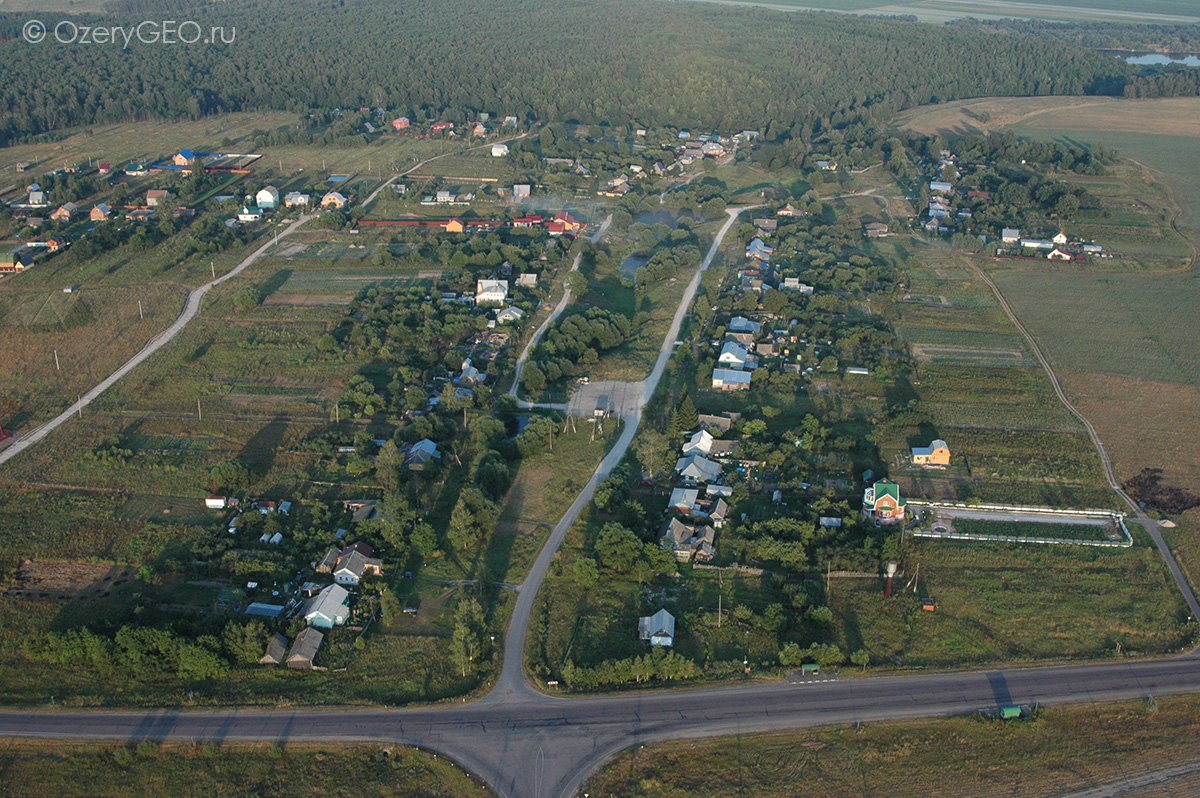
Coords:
pixel 533 746
pixel 529 745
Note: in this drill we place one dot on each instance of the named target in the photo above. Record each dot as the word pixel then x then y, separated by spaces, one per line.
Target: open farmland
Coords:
pixel 104 771
pixel 1060 750
pixel 941 11
pixel 148 141
pixel 93 330
pixel 1007 603
pixel 1122 341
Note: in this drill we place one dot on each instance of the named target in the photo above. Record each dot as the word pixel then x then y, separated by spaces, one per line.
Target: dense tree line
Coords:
pixel 1097 35
pixel 794 75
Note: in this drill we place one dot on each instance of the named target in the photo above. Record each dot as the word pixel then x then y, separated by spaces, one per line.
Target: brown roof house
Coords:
pixel 156 197
pixel 304 650
pixel 276 650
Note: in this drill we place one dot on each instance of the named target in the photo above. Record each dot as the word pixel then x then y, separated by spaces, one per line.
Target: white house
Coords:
pixel 294 199
pixel 249 213
pixel 1060 239
pixel 700 443
pixel 267 197
pixel 698 468
pixel 734 355
pixel 216 502
pixel 329 608
pixel 658 629
pixel 1010 235
pixel 499 150
pixel 495 291
pixel 352 566
pixel 509 315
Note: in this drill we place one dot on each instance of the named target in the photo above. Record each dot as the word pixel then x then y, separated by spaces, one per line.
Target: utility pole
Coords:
pixel 719 597
pixel 141 315
pixel 213 266
pixel 79 401
pixel 199 415
pixel 56 366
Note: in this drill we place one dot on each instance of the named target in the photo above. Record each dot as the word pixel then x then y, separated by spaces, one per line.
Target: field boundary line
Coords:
pixel 1147 523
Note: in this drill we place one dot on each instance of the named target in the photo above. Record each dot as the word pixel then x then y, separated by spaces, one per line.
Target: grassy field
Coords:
pixel 1012 604
pixel 545 486
pixel 31 769
pixel 149 141
pixel 1185 544
pixel 1121 341
pixel 1063 749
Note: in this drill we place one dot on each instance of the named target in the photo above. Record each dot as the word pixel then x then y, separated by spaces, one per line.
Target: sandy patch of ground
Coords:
pixel 57 580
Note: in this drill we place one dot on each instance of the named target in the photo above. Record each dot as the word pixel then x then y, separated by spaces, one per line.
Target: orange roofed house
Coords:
pixel 883 504
pixel 936 453
pixel 571 225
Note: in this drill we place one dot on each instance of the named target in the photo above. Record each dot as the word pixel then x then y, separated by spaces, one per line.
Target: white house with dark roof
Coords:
pixel 657 629
pixel 267 197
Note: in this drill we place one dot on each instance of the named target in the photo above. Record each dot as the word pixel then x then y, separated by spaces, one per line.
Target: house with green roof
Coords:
pixel 883 504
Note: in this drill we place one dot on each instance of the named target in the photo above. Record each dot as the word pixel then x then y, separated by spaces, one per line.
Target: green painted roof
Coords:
pixel 885 487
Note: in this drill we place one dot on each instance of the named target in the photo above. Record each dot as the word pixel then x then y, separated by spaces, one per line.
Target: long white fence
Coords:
pixel 1115 517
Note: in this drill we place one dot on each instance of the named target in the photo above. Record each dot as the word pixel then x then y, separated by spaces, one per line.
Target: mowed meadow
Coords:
pixel 1121 336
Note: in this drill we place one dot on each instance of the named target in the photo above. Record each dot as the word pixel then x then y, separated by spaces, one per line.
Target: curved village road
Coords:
pixel 542 747
pixel 554 314
pixel 1146 522
pixel 512 684
pixel 529 745
pixel 190 310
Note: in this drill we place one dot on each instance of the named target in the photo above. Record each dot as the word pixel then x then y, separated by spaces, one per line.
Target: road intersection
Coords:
pixel 526 744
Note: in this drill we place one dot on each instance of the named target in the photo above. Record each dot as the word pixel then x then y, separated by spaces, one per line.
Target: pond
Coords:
pixel 630 265
pixel 661 216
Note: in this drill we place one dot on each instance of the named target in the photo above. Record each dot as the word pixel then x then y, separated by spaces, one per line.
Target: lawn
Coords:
pixel 95 771
pixel 1062 750
pixel 545 485
pixel 1012 604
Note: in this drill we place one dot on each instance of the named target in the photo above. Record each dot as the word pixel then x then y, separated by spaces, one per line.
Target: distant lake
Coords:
pixel 1159 59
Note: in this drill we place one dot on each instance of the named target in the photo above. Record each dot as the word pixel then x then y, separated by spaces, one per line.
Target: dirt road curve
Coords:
pixel 1147 523
pixel 190 311
pixel 554 314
